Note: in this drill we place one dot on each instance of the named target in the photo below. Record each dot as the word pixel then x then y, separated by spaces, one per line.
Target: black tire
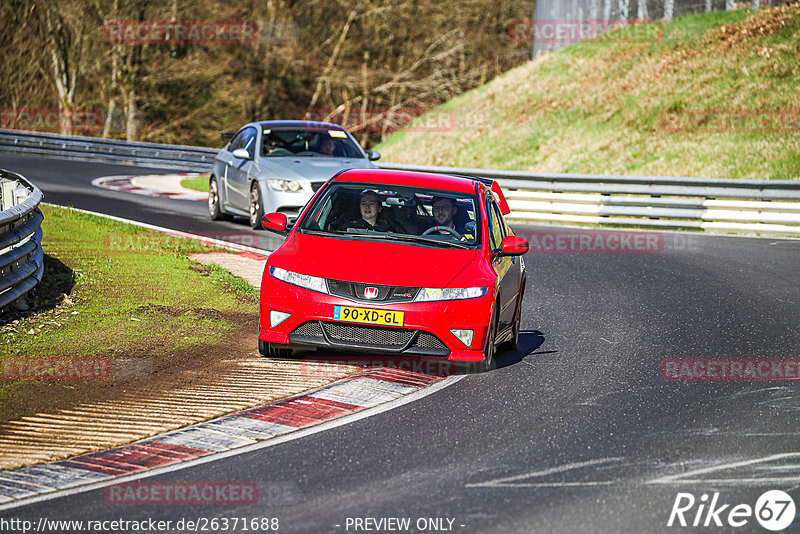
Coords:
pixel 214 208
pixel 274 350
pixel 489 348
pixel 513 343
pixel 256 207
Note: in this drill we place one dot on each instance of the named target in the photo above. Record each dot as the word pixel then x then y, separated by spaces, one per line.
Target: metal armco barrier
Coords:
pixel 21 256
pixel 108 150
pixel 727 205
pixel 768 206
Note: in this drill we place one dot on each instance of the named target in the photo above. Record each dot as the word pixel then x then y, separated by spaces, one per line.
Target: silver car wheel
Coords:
pixel 256 209
pixel 213 198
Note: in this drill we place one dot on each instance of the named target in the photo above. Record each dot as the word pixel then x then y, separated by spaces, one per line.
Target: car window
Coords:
pixel 498 230
pixel 311 142
pixel 246 139
pixel 249 141
pixel 396 213
pixel 236 142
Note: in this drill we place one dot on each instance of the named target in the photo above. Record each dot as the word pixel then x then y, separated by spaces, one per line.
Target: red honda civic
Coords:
pixel 396 263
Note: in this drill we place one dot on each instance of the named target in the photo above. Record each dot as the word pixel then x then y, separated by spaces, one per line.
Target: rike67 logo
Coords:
pixel 774 510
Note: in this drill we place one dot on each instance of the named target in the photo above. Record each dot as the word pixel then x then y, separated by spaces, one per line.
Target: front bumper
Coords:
pixel 425 332
pixel 288 202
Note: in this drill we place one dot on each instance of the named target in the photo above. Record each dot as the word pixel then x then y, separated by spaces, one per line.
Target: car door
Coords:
pixel 505 267
pixel 222 165
pixel 237 181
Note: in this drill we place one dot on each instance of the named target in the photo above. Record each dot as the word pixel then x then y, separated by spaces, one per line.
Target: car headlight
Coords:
pixel 285 185
pixel 430 294
pixel 314 283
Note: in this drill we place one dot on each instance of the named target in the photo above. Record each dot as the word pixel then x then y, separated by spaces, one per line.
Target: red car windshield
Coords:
pixel 400 213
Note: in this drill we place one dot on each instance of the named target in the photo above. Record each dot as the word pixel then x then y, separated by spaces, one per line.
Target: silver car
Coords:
pixel 276 166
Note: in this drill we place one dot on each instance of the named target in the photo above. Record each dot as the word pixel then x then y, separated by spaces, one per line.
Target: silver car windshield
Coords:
pixel 319 142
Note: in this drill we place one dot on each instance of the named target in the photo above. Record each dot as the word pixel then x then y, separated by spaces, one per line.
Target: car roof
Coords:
pixel 300 124
pixel 446 182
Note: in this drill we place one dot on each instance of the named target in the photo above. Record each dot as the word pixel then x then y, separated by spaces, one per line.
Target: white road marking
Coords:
pixel 693 476
pixel 510 482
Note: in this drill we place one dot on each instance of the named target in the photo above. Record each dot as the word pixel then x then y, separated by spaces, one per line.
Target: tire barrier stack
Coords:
pixel 21 256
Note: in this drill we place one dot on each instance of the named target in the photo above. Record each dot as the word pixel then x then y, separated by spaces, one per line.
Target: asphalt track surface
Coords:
pixel 574 432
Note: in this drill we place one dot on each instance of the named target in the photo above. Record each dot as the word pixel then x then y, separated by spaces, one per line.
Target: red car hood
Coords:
pixel 376 262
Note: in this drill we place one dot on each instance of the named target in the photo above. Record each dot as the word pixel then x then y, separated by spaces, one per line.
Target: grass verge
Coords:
pixel 715 95
pixel 198 183
pixel 121 294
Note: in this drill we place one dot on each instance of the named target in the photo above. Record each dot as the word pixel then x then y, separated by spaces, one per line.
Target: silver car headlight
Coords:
pixel 314 283
pixel 431 294
pixel 285 185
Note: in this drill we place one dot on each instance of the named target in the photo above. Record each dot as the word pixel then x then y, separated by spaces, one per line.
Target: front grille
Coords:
pixel 310 328
pixel 428 341
pixel 362 337
pixel 316 185
pixel 357 291
pixel 370 335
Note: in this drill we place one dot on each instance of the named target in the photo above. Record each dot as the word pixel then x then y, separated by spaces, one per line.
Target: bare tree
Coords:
pixel 642 10
pixel 24 61
pixel 624 8
pixel 323 79
pixel 65 37
pixel 369 55
pixel 669 9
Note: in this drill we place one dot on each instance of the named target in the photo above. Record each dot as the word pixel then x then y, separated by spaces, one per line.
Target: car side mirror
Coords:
pixel 241 153
pixel 513 245
pixel 373 155
pixel 275 222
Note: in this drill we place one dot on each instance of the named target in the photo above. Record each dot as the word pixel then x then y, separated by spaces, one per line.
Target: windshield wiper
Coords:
pixel 427 240
pixel 334 233
pixel 390 236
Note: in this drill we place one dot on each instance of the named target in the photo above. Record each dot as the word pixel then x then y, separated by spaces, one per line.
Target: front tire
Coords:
pixel 489 347
pixel 256 207
pixel 513 343
pixel 214 207
pixel 274 350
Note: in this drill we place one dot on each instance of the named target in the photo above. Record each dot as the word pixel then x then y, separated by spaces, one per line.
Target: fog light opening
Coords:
pixel 277 317
pixel 464 335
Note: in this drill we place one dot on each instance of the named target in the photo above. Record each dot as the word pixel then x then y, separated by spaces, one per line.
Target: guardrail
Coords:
pixel 21 256
pixel 768 206
pixel 192 158
pixel 761 206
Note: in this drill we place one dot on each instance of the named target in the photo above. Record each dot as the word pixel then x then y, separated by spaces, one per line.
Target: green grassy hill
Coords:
pixel 715 95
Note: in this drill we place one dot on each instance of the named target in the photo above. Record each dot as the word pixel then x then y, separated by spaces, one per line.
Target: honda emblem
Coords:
pixel 371 292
